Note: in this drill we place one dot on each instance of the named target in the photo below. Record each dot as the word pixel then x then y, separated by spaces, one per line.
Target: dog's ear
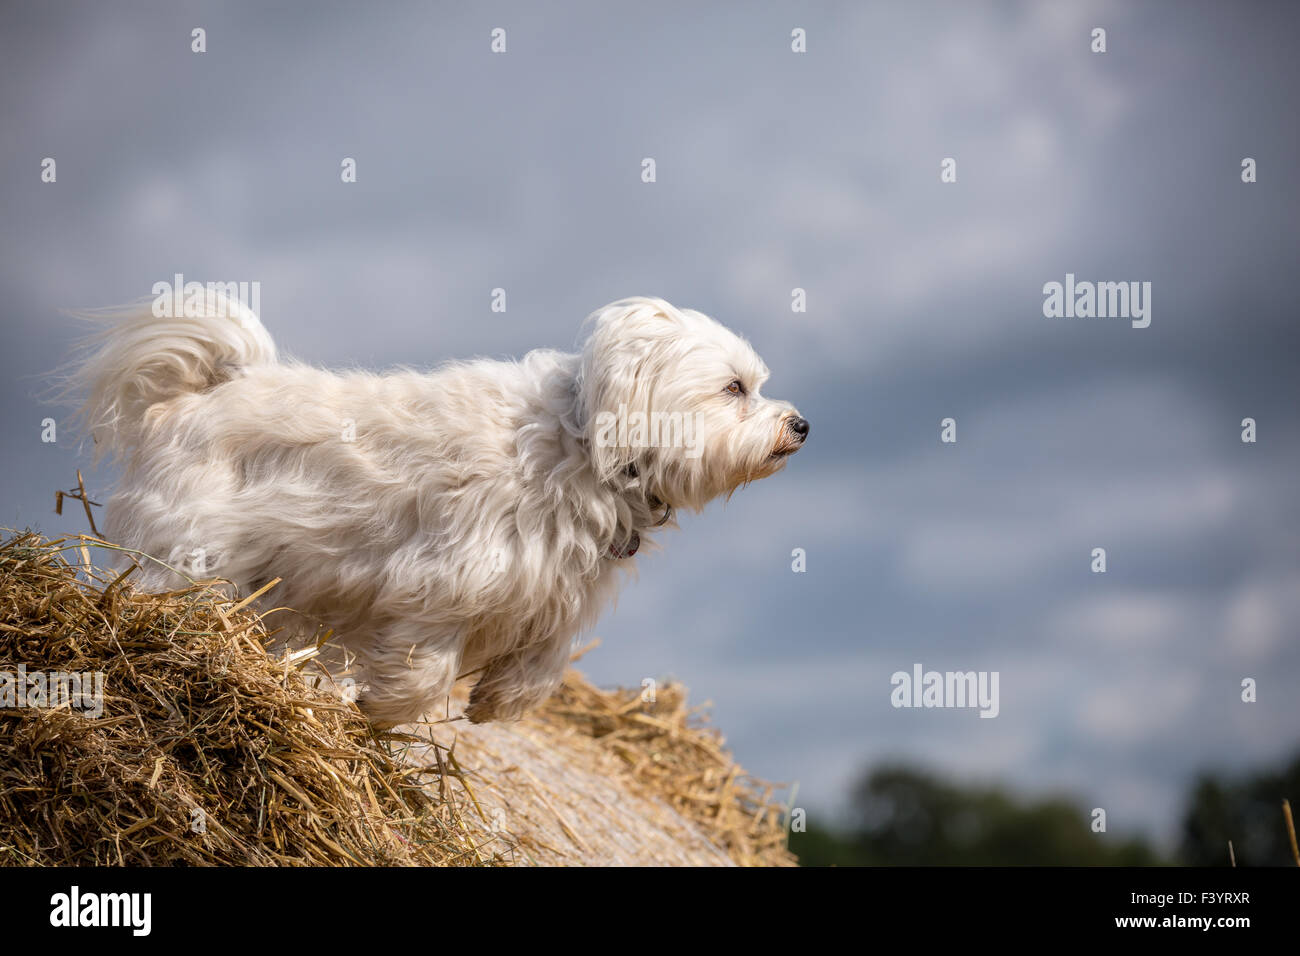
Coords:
pixel 624 356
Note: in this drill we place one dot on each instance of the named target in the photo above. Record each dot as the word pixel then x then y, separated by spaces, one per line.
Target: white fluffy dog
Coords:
pixel 468 520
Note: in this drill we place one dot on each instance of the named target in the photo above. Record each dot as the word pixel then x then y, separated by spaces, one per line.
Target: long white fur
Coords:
pixel 464 520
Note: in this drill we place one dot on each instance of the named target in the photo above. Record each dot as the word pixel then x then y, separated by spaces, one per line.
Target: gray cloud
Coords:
pixel 775 171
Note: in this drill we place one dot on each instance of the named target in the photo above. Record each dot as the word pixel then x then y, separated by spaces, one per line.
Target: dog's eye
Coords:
pixel 735 388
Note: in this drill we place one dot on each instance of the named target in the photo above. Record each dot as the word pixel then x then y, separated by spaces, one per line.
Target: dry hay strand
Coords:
pixel 210 751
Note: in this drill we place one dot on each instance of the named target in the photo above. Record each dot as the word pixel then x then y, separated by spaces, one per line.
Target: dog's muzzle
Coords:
pixel 794 432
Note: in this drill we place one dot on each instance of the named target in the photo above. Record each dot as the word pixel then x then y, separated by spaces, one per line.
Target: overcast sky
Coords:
pixel 775 170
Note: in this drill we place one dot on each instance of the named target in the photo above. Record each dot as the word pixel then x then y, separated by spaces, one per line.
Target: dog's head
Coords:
pixel 673 397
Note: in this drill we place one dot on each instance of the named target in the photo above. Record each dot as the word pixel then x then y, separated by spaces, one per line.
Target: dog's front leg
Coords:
pixel 514 683
pixel 407 673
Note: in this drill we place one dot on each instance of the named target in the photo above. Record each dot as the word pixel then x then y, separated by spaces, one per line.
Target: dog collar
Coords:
pixel 618 553
pixel 626 551
pixel 629 549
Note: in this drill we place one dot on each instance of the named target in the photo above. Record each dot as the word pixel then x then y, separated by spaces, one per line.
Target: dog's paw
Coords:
pixel 486 706
pixel 514 684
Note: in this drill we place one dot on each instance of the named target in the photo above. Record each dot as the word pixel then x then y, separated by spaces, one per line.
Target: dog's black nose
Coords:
pixel 800 427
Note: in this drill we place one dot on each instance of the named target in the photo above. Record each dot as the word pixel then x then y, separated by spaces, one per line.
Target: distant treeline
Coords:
pixel 902 816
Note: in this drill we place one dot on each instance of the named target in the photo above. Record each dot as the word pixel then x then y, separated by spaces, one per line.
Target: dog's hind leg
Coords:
pixel 514 683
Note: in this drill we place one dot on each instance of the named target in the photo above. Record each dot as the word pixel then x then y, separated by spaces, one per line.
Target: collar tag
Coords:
pixel 627 550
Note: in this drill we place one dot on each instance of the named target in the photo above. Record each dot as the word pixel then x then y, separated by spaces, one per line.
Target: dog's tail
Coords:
pixel 139 357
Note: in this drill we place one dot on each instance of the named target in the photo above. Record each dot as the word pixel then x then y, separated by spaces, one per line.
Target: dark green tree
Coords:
pixel 1247 811
pixel 902 816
